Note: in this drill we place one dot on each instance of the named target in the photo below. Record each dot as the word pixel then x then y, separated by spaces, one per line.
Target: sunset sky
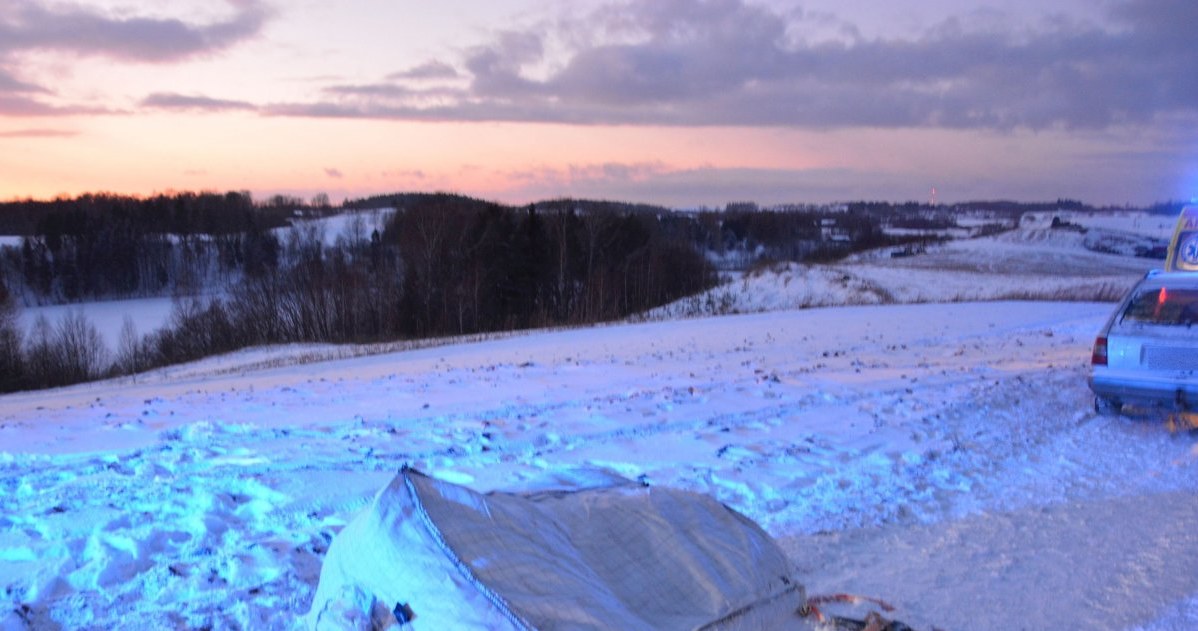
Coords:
pixel 680 102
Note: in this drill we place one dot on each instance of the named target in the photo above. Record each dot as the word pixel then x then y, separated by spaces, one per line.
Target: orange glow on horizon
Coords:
pixel 146 154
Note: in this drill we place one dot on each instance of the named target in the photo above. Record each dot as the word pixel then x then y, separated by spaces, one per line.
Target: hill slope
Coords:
pixel 896 450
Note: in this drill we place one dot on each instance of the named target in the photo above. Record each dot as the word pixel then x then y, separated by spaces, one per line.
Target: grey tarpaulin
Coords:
pixel 623 557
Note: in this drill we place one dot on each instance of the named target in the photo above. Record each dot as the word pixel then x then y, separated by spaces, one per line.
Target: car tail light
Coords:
pixel 1099 356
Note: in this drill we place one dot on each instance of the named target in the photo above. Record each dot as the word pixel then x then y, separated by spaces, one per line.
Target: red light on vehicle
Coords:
pixel 1099 356
pixel 1160 302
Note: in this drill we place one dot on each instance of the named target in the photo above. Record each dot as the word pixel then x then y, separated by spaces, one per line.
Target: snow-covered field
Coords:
pixel 943 457
pixel 1031 263
pixel 146 314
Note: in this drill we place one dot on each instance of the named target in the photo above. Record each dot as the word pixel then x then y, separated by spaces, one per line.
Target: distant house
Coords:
pixel 830 230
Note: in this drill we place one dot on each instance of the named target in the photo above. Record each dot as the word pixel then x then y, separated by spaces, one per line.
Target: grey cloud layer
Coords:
pixel 429 70
pixel 698 62
pixel 726 62
pixel 185 102
pixel 30 25
pixel 38 133
pixel 19 97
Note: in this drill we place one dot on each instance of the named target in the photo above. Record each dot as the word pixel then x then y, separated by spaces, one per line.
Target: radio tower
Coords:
pixel 933 195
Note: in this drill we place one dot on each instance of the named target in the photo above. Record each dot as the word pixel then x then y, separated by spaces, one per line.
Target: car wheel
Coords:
pixel 1107 407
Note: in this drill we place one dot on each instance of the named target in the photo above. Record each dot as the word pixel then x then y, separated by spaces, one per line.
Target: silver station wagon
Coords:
pixel 1147 354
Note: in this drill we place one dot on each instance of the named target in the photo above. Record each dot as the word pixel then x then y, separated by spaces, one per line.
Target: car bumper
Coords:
pixel 1175 394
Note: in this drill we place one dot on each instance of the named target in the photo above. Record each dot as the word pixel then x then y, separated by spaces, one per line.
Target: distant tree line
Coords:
pixel 996 207
pixel 437 264
pixel 1170 208
pixel 182 213
pixel 802 234
pixel 101 246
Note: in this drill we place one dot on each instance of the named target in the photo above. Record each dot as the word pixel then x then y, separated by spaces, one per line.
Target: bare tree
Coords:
pixel 12 364
pixel 40 362
pixel 131 357
pixel 79 349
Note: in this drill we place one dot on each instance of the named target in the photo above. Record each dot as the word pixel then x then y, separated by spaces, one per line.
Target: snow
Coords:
pixel 1133 222
pixel 108 316
pixel 348 225
pixel 1031 263
pixel 941 456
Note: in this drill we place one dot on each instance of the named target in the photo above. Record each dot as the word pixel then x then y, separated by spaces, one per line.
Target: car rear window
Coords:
pixel 1164 305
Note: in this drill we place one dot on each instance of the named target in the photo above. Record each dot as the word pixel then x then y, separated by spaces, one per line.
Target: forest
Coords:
pixel 244 273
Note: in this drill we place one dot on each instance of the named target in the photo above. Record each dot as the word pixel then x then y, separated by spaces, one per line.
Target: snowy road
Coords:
pixel 942 457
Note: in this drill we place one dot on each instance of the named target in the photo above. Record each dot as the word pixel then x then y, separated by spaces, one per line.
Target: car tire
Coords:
pixel 1107 407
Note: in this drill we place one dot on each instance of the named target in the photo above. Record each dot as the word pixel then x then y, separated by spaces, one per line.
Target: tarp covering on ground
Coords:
pixel 624 556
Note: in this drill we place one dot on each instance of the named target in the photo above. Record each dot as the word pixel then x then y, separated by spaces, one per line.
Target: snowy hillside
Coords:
pixel 943 457
pixel 1032 262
